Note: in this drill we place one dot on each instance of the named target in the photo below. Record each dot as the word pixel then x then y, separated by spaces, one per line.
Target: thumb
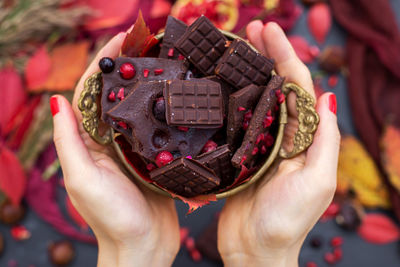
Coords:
pixel 322 156
pixel 72 152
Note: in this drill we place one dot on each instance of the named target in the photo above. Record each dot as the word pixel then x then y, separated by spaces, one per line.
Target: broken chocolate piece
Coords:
pixel 113 82
pixel 240 102
pixel 241 65
pixel 203 45
pixel 254 140
pixel 195 103
pixel 219 161
pixel 226 90
pixel 185 177
pixel 150 135
pixel 173 31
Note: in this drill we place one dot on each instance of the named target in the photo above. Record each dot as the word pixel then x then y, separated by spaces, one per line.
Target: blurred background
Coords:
pixel 351 47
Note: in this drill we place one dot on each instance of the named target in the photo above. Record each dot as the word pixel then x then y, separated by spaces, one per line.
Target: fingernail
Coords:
pixel 332 103
pixel 54 105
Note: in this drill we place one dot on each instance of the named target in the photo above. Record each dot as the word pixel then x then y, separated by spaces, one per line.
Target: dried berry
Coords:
pixel 61 253
pixel 146 73
pixel 332 59
pixel 121 93
pixel 338 253
pixel 348 217
pixel 1 243
pixel 330 258
pixel 316 242
pixel 127 71
pixel 111 96
pixel 171 52
pixel 209 146
pixel 158 71
pixel 106 65
pixel 163 158
pixel 11 214
pixel 336 241
pixel 159 109
pixel 196 256
pixel 311 264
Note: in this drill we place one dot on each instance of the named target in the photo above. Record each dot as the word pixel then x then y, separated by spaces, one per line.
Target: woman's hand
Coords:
pixel 132 224
pixel 266 224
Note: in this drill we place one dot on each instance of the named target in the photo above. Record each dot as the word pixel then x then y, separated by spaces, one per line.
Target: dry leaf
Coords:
pixel 391 155
pixel 358 171
pixel 303 50
pixel 37 69
pixel 319 21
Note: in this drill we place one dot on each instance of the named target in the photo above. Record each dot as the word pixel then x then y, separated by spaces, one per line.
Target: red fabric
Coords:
pixel 373 53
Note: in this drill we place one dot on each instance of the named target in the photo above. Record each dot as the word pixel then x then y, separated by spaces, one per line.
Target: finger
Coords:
pixel 287 63
pixel 72 152
pixel 111 49
pixel 253 32
pixel 322 156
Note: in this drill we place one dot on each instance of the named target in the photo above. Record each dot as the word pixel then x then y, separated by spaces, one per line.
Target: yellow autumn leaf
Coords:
pixel 358 171
pixel 390 144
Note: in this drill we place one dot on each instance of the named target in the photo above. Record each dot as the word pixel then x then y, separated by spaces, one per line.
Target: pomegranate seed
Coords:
pixel 127 71
pixel 180 57
pixel 196 256
pixel 150 167
pixel 19 233
pixel 189 157
pixel 241 109
pixel 333 80
pixel 247 116
pixel 243 160
pixel 255 151
pixel 123 125
pixel 281 98
pixel 146 73
pixel 311 264
pixel 121 93
pixel 111 96
pixel 269 140
pixel 278 92
pixel 163 158
pixel 269 113
pixel 336 241
pixel 189 243
pixel 245 125
pixel 183 129
pixel 209 146
pixel 260 137
pixel 171 52
pixel 267 121
pixel 158 71
pixel 184 233
pixel 329 258
pixel 338 253
pixel 263 150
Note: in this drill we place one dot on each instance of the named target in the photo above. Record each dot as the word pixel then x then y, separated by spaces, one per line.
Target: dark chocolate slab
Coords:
pixel 174 29
pixel 185 177
pixel 253 143
pixel 203 45
pixel 239 103
pixel 195 103
pixel 113 82
pixel 241 65
pixel 219 161
pixel 226 90
pixel 151 136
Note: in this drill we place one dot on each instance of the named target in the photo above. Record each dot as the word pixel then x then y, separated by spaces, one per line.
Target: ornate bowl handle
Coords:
pixel 308 120
pixel 88 105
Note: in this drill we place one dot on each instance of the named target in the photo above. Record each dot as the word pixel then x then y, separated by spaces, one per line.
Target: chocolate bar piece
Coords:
pixel 254 142
pixel 150 135
pixel 226 90
pixel 116 88
pixel 203 45
pixel 185 177
pixel 173 31
pixel 241 65
pixel 219 161
pixel 195 103
pixel 240 103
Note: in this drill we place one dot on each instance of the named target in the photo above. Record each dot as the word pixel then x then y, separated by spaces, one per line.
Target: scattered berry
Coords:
pixel 311 264
pixel 121 93
pixel 255 151
pixel 158 71
pixel 20 233
pixel 267 121
pixel 209 146
pixel 336 241
pixel 159 109
pixel 163 158
pixel 184 233
pixel 111 96
pixel 61 252
pixel 171 52
pixel 316 242
pixel 127 71
pixel 196 256
pixel 106 65
pixel 330 258
pixel 241 109
pixel 331 211
pixel 150 167
pixel 333 80
pixel 269 140
pixel 11 214
pixel 338 253
pixel 183 128
pixel 146 73
pixel 189 243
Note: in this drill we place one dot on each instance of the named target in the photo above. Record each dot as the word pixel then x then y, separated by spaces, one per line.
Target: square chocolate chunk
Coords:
pixel 241 65
pixel 173 31
pixel 203 44
pixel 195 103
pixel 185 177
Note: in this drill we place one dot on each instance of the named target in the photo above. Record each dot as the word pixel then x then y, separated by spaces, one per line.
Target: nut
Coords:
pixel 61 253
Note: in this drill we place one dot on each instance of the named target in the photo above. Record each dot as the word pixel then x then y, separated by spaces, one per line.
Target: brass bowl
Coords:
pixel 307 117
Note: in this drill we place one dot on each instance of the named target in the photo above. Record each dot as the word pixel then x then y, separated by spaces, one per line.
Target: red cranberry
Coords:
pixel 195 254
pixel 183 233
pixel 329 258
pixel 150 167
pixel 11 214
pixel 189 243
pixel 336 241
pixel 127 71
pixel 338 253
pixel 209 146
pixel 61 253
pixel 163 158
pixel 121 93
pixel 311 264
pixel 111 96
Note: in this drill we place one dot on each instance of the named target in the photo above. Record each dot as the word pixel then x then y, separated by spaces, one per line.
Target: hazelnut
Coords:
pixel 11 214
pixel 332 59
pixel 61 253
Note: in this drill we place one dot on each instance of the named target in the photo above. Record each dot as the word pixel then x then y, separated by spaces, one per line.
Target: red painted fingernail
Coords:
pixel 54 105
pixel 332 103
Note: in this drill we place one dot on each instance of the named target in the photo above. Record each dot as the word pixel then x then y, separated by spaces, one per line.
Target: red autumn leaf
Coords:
pixel 136 40
pixel 195 202
pixel 160 8
pixel 13 178
pixel 12 95
pixel 378 229
pixel 37 69
pixel 74 214
pixel 107 14
pixel 319 21
pixel 68 62
pixel 303 50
